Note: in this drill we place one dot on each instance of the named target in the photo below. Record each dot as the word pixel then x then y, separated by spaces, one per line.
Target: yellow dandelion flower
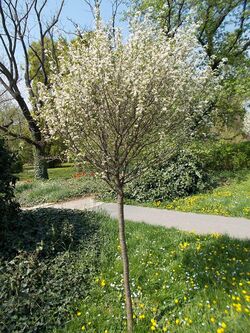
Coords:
pixel 183 246
pixel 152 328
pixel 103 283
pixel 247 298
pixel 223 325
pixel 220 330
pixel 212 319
pixel 83 328
pixel 153 322
pixel 142 316
pixel 78 313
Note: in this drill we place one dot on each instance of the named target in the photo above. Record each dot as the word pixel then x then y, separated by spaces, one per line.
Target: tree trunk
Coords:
pixel 125 262
pixel 40 164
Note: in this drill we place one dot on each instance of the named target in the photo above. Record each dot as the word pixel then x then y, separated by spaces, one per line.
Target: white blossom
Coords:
pixel 111 103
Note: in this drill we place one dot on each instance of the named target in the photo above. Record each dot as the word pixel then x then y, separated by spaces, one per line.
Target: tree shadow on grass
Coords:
pixel 218 260
pixel 214 265
pixel 48 260
pixel 48 231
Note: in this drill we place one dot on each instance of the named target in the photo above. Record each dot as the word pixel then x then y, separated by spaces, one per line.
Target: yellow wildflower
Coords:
pixel 183 246
pixel 153 322
pixel 223 325
pixel 220 330
pixel 103 283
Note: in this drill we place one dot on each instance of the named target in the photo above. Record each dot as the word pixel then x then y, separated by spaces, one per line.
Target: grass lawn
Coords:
pixel 181 282
pixel 231 199
pixel 67 170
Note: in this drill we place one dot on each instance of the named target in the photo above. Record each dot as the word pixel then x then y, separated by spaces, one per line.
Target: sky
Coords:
pixel 80 13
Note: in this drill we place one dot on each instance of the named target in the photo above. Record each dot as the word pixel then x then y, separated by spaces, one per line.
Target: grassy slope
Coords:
pixel 232 199
pixel 181 282
pixel 64 183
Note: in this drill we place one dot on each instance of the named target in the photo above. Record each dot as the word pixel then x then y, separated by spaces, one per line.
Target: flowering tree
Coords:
pixel 115 103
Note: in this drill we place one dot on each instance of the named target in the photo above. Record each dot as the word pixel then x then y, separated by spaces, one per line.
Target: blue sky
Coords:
pixel 80 13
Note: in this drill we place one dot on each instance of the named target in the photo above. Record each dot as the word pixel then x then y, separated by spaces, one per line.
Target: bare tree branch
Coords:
pixel 17 20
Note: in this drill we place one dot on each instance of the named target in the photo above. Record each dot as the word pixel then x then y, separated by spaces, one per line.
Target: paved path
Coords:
pixel 200 223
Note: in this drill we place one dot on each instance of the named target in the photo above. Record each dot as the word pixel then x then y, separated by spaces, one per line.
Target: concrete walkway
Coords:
pixel 199 223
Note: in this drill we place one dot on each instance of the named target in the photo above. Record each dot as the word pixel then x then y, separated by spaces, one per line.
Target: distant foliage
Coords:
pixel 181 176
pixel 226 156
pixel 190 171
pixel 8 206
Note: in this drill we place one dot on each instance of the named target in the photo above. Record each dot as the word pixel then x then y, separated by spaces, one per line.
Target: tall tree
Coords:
pixel 116 104
pixel 20 20
pixel 224 32
pixel 224 25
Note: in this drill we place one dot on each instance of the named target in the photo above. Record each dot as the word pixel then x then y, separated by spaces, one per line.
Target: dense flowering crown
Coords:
pixel 113 100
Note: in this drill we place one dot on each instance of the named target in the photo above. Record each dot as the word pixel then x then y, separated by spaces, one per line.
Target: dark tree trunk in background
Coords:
pixel 125 262
pixel 17 41
pixel 40 164
pixel 39 154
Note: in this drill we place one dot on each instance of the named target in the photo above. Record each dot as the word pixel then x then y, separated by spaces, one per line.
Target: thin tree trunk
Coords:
pixel 125 262
pixel 40 164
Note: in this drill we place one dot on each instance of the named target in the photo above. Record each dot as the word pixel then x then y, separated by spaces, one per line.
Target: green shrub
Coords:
pixel 223 156
pixel 47 265
pixel 8 206
pixel 181 176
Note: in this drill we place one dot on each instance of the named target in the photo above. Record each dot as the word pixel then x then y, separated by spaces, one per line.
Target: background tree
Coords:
pixel 116 104
pixel 17 19
pixel 224 32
